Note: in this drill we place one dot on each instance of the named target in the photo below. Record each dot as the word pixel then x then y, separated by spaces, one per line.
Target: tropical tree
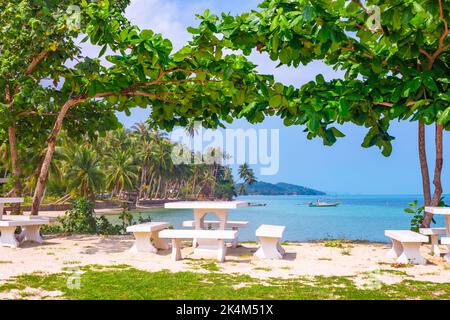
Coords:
pixel 120 171
pixel 395 55
pixel 84 172
pixel 247 175
pixel 192 84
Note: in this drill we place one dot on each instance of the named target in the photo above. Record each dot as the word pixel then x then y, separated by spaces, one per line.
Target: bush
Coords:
pixel 81 220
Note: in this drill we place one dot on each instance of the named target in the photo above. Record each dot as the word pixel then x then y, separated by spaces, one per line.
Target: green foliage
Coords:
pixel 417 212
pixel 81 220
pixel 395 71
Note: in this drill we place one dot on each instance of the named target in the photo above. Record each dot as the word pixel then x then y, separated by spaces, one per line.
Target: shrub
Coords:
pixel 81 219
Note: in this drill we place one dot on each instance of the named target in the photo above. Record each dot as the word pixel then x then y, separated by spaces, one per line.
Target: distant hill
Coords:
pixel 281 188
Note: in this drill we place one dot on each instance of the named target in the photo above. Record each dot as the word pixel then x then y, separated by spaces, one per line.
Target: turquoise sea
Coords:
pixel 358 217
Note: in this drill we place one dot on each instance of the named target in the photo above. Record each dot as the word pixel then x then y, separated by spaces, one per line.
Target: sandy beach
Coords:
pixel 363 261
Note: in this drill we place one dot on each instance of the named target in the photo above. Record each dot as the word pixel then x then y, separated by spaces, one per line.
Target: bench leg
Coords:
pixel 8 237
pixel 411 254
pixel 435 245
pixel 268 249
pixel 235 241
pixel 142 243
pixel 280 248
pixel 31 233
pixel 158 242
pixel 396 249
pixel 176 249
pixel 221 250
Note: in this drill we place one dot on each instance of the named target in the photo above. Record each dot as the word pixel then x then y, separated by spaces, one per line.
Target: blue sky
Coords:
pixel 345 167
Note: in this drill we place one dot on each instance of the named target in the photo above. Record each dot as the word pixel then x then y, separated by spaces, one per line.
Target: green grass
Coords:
pixel 122 282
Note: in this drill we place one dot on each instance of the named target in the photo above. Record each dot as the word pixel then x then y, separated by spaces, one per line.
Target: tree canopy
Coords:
pixel 398 71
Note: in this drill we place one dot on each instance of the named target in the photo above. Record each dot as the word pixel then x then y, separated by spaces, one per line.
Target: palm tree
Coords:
pixel 120 172
pixel 83 171
pixel 246 174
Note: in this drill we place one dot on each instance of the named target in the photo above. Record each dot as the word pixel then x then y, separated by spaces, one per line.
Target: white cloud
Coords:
pixel 170 18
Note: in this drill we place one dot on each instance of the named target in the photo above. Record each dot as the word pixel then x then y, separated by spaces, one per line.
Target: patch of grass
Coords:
pixel 325 259
pixel 346 252
pixel 396 272
pixel 50 253
pixel 285 268
pixel 398 265
pixel 262 269
pixel 5 262
pixel 72 262
pixel 130 283
pixel 209 265
pixel 334 244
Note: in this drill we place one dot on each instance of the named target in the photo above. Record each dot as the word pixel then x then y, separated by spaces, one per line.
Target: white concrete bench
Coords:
pixel 217 246
pixel 233 225
pixel 434 233
pixel 446 241
pixel 269 239
pixel 406 246
pixel 30 230
pixel 144 233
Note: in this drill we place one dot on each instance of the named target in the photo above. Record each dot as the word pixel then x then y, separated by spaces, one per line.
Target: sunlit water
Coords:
pixel 356 218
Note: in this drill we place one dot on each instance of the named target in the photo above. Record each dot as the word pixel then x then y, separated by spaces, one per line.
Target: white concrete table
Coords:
pixel 201 209
pixel 144 233
pixel 446 212
pixel 30 230
pixel 269 238
pixel 4 201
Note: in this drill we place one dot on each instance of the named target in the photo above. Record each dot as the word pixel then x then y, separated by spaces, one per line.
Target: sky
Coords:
pixel 346 167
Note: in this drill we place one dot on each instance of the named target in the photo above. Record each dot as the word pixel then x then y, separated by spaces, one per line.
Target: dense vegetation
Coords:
pixel 130 164
pixel 265 188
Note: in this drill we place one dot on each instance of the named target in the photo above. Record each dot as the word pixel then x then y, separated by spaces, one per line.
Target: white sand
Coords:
pixel 367 262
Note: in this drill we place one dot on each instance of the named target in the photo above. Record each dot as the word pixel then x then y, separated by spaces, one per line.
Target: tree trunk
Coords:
pixel 425 175
pixel 438 167
pixel 40 185
pixel 15 170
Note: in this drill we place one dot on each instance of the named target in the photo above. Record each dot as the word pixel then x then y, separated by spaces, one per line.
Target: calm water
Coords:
pixel 356 218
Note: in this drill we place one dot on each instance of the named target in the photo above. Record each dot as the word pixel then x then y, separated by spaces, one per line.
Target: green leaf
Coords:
pixel 275 101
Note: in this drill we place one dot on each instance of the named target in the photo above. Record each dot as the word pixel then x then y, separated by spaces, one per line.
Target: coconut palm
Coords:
pixel 120 172
pixel 84 171
pixel 246 174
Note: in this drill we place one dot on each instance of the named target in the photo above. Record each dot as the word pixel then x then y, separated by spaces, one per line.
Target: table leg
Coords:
pixel 176 249
pixel 143 243
pixel 435 245
pixel 199 223
pixel 31 233
pixel 235 241
pixel 223 216
pixel 221 251
pixel 8 237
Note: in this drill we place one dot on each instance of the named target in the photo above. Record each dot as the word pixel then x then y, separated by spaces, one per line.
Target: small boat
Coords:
pixel 319 203
pixel 252 204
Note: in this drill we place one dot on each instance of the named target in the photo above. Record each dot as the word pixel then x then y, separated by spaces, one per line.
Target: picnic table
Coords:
pixel 201 209
pixel 441 211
